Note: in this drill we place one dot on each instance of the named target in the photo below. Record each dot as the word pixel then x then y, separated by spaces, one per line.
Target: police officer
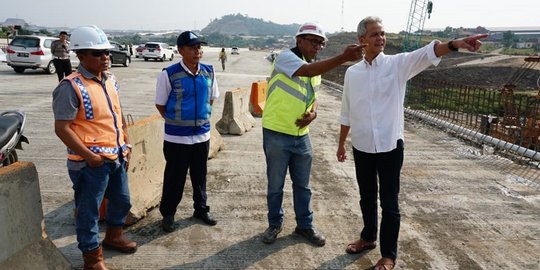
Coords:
pixel 60 52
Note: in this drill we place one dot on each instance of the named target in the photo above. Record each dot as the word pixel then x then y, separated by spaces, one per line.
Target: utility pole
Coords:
pixel 342 15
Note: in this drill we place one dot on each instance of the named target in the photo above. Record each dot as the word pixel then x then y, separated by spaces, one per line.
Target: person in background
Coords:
pixel 291 105
pixel 60 52
pixel 223 58
pixel 89 121
pixel 372 109
pixel 185 92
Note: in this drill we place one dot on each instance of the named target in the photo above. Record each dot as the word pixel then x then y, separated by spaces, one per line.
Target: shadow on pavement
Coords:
pixel 241 255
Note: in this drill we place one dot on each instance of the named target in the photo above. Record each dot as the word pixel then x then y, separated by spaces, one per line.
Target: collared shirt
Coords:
pixel 373 96
pixel 66 105
pixel 59 49
pixel 163 89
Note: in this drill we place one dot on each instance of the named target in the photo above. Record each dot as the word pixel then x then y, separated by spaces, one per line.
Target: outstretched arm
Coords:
pixel 471 43
pixel 351 53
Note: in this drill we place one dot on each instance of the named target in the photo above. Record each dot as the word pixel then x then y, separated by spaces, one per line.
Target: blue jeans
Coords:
pixel 90 185
pixel 284 151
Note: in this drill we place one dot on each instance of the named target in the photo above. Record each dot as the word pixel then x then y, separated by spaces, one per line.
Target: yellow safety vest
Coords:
pixel 98 123
pixel 287 101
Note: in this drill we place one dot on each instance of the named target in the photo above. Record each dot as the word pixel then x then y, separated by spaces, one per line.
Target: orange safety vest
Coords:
pixel 99 120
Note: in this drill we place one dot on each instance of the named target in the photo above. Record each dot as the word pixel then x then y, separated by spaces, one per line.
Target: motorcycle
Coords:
pixel 11 137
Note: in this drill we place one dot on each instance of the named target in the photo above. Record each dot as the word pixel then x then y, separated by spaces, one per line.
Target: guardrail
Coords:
pixel 484 115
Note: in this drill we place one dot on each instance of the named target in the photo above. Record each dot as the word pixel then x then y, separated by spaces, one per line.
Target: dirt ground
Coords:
pixel 461 208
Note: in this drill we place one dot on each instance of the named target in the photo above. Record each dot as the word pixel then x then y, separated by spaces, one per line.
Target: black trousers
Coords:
pixel 179 158
pixel 387 166
pixel 63 68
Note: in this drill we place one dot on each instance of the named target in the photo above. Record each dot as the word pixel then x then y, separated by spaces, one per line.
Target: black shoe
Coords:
pixel 271 233
pixel 312 236
pixel 205 216
pixel 167 224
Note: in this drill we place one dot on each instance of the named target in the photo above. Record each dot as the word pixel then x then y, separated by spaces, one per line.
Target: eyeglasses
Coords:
pixel 99 53
pixel 316 43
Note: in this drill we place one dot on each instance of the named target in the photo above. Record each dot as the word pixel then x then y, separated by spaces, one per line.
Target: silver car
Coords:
pixel 33 52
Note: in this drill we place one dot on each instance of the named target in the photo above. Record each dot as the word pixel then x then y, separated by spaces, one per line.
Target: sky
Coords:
pixel 333 15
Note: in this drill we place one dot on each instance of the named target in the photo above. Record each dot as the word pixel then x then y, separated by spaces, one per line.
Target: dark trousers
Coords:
pixel 179 158
pixel 387 166
pixel 63 68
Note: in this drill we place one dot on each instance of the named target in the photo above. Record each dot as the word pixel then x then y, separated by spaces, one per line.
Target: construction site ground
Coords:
pixel 461 207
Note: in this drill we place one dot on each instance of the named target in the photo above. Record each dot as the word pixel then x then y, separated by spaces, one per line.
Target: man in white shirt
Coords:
pixel 372 109
pixel 185 92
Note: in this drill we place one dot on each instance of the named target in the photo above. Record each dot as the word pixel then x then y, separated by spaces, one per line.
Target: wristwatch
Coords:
pixel 451 46
pixel 129 146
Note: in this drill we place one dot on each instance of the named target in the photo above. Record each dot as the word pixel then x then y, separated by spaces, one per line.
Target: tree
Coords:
pixel 45 32
pixel 508 38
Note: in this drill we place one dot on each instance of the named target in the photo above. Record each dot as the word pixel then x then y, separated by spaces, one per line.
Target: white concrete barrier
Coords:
pixel 216 142
pixel 236 118
pixel 23 241
pixel 147 164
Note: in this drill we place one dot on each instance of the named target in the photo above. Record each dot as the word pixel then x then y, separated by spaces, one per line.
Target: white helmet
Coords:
pixel 89 37
pixel 311 29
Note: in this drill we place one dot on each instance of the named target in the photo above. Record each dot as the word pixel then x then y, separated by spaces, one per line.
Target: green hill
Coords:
pixel 245 26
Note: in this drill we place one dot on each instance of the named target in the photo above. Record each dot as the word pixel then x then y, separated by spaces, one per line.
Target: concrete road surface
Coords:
pixel 460 209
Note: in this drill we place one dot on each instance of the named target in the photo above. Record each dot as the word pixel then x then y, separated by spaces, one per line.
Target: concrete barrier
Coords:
pixel 23 241
pixel 257 99
pixel 236 118
pixel 147 164
pixel 216 142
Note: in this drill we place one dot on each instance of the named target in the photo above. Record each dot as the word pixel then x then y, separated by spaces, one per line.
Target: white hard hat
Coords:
pixel 311 29
pixel 89 37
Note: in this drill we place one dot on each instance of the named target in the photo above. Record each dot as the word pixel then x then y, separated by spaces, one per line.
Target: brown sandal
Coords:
pixel 385 264
pixel 359 246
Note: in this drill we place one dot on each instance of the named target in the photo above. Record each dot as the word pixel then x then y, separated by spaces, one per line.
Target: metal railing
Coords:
pixel 505 121
pixel 476 113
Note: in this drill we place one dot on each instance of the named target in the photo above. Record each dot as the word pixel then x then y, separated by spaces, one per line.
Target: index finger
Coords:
pixel 479 36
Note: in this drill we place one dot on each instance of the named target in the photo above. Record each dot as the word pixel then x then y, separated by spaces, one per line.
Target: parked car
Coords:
pixel 29 51
pixel 139 50
pixel 235 50
pixel 2 56
pixel 119 54
pixel 157 51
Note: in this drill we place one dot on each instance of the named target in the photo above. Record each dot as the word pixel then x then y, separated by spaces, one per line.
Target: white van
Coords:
pixel 157 51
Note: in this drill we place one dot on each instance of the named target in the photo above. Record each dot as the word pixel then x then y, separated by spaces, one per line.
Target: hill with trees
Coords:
pixel 245 26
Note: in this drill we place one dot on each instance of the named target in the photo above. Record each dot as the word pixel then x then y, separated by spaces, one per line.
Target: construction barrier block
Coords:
pixel 146 166
pixel 236 118
pixel 23 240
pixel 257 98
pixel 216 142
pixel 145 173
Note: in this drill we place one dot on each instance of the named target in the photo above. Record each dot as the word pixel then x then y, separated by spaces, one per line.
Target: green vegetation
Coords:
pixel 465 100
pixel 514 51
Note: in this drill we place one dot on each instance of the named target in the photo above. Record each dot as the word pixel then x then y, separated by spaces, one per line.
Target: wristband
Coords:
pixel 451 46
